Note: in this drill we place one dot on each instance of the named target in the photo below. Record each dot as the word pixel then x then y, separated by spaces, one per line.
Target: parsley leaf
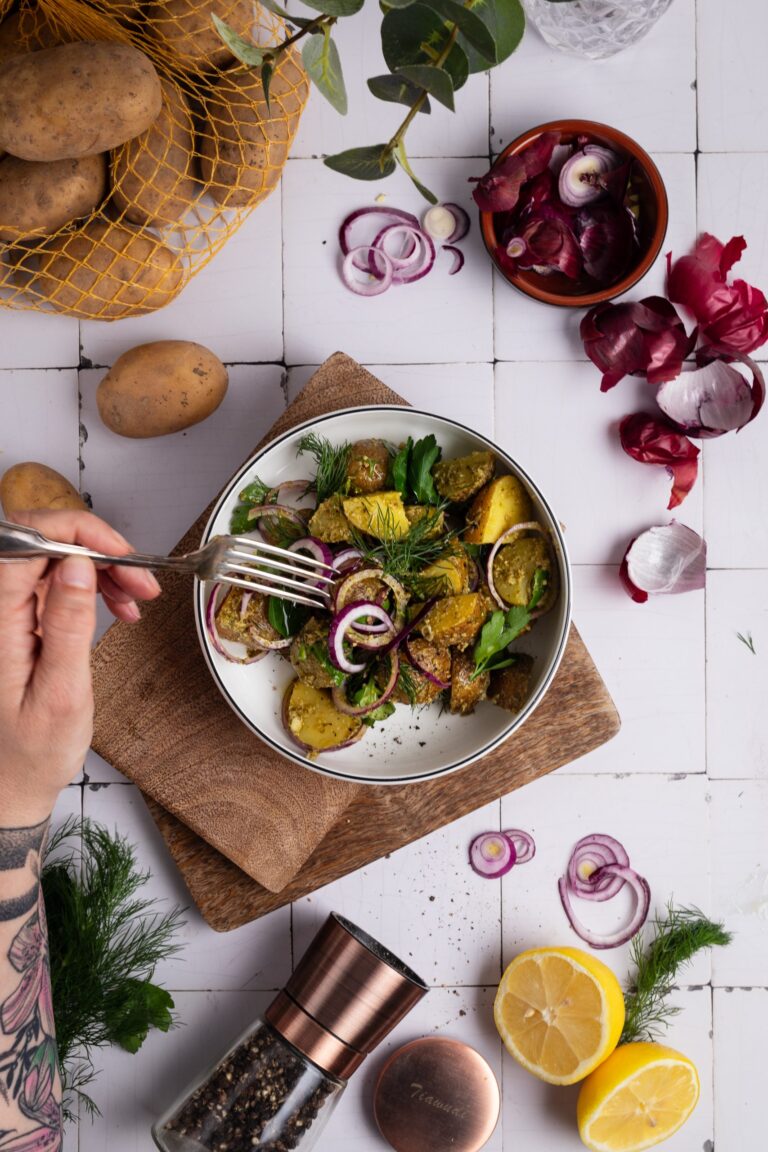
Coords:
pixel 252 496
pixel 400 468
pixel 367 693
pixel 286 617
pixel 412 470
pixel 501 628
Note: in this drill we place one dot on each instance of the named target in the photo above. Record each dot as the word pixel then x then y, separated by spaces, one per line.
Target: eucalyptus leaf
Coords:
pixel 402 160
pixel 370 163
pixel 276 10
pixel 267 71
pixel 397 90
pixel 418 35
pixel 336 7
pixel 241 49
pixel 323 65
pixel 475 32
pixel 396 4
pixel 436 81
pixel 505 20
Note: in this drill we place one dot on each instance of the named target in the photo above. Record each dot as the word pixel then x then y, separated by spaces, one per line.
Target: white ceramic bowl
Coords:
pixel 410 745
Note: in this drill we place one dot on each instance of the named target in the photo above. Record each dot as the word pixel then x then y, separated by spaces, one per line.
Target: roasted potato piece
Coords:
pixel 514 568
pixel 76 100
pixel 454 621
pixel 41 198
pixel 500 505
pixel 449 575
pixel 368 467
pixel 510 687
pixel 417 512
pixel 381 515
pixel 309 656
pixel 249 629
pixel 161 387
pixel 466 692
pixel 459 480
pixel 313 721
pixel 424 691
pixel 328 523
pixel 30 485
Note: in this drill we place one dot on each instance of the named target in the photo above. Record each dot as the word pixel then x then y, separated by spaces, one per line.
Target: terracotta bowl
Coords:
pixel 654 213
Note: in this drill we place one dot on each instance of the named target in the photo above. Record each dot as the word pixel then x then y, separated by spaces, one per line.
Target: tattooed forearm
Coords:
pixel 30 1086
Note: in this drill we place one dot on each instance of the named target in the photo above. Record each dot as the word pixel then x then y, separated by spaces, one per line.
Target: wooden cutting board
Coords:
pixel 576 716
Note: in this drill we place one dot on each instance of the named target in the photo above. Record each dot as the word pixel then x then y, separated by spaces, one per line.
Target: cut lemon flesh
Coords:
pixel 560 1012
pixel 641 1095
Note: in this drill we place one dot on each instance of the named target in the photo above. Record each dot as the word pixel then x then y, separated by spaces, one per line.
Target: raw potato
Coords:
pixel 313 721
pixel 186 31
pixel 246 143
pixel 466 693
pixel 458 480
pixel 151 174
pixel 381 515
pixel 76 100
pixel 455 620
pixel 41 198
pixel 500 505
pixel 28 31
pixel 107 270
pixel 30 485
pixel 160 388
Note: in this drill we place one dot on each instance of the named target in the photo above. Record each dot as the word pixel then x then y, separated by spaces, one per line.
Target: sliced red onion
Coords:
pixel 339 694
pixel 642 894
pixel 403 635
pixel 585 875
pixel 245 600
pixel 346 591
pixel 300 489
pixel 411 251
pixel 342 628
pixel 441 684
pixel 669 558
pixel 346 558
pixel 374 285
pixel 439 222
pixel 491 854
pixel 462 222
pixel 307 748
pixel 458 258
pixel 371 214
pixel 377 625
pixel 713 399
pixel 414 272
pixel 268 511
pixel 523 843
pixel 579 180
pixel 318 550
pixel 527 526
pixel 210 625
pixel 516 248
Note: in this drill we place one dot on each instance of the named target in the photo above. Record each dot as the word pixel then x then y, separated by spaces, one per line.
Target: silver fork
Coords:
pixel 237 560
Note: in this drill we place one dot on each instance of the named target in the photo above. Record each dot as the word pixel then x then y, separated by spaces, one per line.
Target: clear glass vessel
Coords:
pixel 594 28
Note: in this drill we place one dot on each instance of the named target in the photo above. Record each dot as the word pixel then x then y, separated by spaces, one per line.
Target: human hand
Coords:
pixel 47 621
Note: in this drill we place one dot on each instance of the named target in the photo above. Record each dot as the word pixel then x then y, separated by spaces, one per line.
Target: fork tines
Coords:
pixel 287 575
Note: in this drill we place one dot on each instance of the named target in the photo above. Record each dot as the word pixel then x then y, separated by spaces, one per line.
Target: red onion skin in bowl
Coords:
pixel 557 288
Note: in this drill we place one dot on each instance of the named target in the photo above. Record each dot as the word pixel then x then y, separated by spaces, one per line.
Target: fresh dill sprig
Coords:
pixel 747 641
pixel 331 461
pixel 678 936
pixel 407 683
pixel 404 557
pixel 105 943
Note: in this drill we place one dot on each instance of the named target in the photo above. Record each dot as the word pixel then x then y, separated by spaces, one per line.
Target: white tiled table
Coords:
pixel 685 783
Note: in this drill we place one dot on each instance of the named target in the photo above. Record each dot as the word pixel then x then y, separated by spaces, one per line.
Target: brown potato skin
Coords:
pixel 31 485
pixel 107 270
pixel 151 174
pixel 160 388
pixel 245 144
pixel 462 478
pixel 41 198
pixel 498 506
pixel 76 100
pixel 510 687
pixel 368 467
pixel 185 28
pixel 454 621
pixel 466 693
pixel 28 31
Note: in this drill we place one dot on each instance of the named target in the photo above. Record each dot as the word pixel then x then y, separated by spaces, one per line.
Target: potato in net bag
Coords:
pixel 132 146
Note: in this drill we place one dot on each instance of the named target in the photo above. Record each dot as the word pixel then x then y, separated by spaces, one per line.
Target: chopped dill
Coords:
pixel 678 936
pixel 407 684
pixel 747 641
pixel 404 557
pixel 331 461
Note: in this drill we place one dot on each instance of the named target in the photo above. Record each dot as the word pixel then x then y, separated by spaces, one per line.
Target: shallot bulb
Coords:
pixel 579 179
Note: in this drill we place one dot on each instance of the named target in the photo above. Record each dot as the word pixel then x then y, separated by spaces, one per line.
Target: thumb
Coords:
pixel 68 623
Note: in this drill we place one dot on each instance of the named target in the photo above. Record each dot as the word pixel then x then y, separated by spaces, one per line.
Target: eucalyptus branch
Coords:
pixel 419 102
pixel 318 25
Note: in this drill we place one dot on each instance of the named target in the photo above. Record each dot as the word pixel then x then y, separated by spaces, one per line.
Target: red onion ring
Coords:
pixel 642 893
pixel 458 259
pixel 462 223
pixel 526 526
pixel 345 238
pixel 210 626
pixel 524 844
pixel 339 693
pixel 345 591
pixel 318 551
pixel 491 854
pixel 441 684
pixel 341 629
pixel 376 285
pixel 307 748
pixel 245 600
pixel 346 558
pixel 408 257
pixel 411 275
pixel 300 487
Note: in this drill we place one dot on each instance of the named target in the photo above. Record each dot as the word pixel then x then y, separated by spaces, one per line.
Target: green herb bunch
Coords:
pixel 105 941
pixel 430 47
pixel 678 936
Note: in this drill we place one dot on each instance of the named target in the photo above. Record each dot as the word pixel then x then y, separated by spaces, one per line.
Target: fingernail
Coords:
pixel 77 572
pixel 154 582
pixel 132 612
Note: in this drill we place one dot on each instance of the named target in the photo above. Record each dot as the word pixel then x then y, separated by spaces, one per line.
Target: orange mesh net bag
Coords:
pixel 101 230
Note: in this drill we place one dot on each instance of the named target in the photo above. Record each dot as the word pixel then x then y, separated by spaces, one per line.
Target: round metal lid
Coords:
pixel 436 1094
